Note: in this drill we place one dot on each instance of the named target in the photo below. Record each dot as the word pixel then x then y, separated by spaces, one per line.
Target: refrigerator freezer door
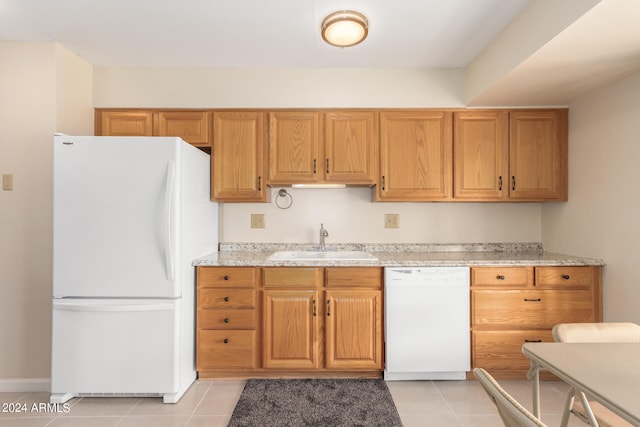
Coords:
pixel 115 217
pixel 114 346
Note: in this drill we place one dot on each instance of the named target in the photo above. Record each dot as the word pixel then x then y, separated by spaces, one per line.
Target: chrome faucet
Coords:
pixel 323 233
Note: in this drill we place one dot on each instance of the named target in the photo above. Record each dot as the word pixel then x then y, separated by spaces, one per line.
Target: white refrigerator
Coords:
pixel 130 214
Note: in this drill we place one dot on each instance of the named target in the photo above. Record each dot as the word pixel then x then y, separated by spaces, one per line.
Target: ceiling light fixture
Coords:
pixel 345 28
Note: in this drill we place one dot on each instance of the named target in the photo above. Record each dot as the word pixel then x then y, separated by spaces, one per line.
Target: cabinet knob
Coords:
pixel 226 320
pixel 226 277
pixel 566 276
pixel 226 299
pixel 226 341
pixel 500 277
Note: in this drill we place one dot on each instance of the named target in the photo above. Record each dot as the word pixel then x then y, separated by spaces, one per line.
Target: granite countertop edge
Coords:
pixel 398 255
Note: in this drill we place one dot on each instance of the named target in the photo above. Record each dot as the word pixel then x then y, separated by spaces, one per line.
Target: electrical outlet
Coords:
pixel 257 220
pixel 7 182
pixel 391 220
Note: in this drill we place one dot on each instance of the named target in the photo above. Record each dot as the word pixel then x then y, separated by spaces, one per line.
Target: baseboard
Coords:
pixel 23 385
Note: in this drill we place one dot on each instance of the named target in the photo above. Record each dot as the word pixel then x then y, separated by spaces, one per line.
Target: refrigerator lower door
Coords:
pixel 114 347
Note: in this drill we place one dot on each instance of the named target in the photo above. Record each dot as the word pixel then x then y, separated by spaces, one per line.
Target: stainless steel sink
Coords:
pixel 322 255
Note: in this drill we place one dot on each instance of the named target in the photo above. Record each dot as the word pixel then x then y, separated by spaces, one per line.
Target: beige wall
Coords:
pixel 601 217
pixel 35 79
pixel 276 88
pixel 350 217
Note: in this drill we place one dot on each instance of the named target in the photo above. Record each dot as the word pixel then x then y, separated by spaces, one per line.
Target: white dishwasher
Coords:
pixel 427 323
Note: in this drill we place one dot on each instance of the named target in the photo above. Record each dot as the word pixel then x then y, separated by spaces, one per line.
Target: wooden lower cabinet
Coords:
pixel 290 329
pixel 514 305
pixel 500 351
pixel 289 322
pixel 353 329
pixel 327 319
pixel 227 320
pixel 224 349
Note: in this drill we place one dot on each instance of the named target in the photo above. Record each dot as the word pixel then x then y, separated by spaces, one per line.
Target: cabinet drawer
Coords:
pixel 226 319
pixel 226 349
pixel 279 277
pixel 535 309
pixel 354 277
pixel 227 277
pixel 226 298
pixel 502 276
pixel 502 350
pixel 564 276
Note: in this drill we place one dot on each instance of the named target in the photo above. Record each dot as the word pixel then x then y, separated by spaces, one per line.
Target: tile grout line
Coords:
pixel 195 408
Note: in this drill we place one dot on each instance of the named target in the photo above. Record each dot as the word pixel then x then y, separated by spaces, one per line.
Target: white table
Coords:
pixel 607 372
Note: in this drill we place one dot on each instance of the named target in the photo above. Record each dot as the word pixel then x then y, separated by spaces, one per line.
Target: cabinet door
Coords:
pixel 294 147
pixel 290 329
pixel 480 146
pixel 415 156
pixel 124 123
pixel 538 155
pixel 353 324
pixel 350 147
pixel 237 158
pixel 192 126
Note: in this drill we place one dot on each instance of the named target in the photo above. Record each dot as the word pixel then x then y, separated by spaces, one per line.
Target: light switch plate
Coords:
pixel 257 220
pixel 7 182
pixel 392 221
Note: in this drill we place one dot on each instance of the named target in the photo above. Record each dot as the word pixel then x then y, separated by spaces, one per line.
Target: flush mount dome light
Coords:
pixel 345 28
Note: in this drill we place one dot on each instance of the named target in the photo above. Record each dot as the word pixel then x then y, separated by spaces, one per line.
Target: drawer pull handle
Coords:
pixel 314 307
pixel 226 277
pixel 500 277
pixel 226 299
pixel 328 307
pixel 532 340
pixel 226 341
pixel 566 277
pixel 226 320
pixel 533 299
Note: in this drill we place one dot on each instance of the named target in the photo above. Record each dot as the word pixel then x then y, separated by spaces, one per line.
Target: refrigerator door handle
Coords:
pixel 168 253
pixel 113 308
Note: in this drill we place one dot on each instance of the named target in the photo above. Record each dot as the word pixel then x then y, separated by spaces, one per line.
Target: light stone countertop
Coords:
pixel 398 255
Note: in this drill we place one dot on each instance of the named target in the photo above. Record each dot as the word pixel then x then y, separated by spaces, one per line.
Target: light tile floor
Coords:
pixel 210 403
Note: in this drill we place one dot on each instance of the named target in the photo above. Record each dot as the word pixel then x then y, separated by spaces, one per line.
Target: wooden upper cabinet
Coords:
pixel 350 147
pixel 123 123
pixel 294 147
pixel 192 126
pixel 415 156
pixel 238 158
pixel 538 155
pixel 310 147
pixel 481 150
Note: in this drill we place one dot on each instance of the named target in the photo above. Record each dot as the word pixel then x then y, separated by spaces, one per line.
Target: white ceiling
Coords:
pixel 601 47
pixel 259 33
